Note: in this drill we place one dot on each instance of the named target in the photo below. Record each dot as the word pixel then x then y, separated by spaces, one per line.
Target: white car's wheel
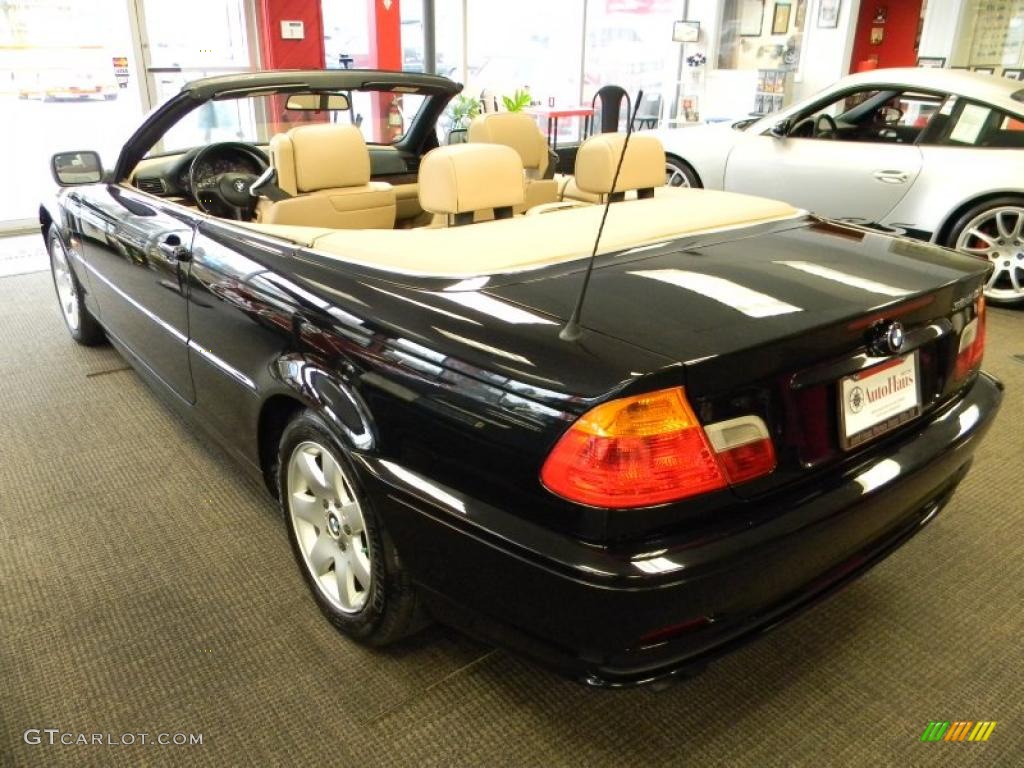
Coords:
pixel 994 231
pixel 678 173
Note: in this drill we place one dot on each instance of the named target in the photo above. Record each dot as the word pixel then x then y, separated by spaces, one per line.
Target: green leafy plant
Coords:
pixel 519 101
pixel 461 111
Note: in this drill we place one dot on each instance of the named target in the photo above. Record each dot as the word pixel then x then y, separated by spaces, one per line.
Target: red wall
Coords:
pixel 900 34
pixel 276 53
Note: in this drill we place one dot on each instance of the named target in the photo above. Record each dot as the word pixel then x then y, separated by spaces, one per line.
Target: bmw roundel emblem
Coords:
pixel 239 185
pixel 887 339
pixel 894 337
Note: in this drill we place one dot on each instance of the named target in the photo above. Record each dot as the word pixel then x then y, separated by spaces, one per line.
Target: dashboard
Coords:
pixel 168 176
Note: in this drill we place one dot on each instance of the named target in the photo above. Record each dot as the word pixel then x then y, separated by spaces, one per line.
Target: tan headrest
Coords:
pixel 513 129
pixel 323 156
pixel 470 177
pixel 642 168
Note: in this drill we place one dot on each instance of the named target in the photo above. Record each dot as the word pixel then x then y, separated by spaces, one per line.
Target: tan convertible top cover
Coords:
pixel 529 242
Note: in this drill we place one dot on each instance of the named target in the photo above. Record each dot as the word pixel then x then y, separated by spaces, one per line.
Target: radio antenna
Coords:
pixel 572 330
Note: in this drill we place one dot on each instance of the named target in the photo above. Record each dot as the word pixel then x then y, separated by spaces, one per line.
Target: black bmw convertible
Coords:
pixel 620 427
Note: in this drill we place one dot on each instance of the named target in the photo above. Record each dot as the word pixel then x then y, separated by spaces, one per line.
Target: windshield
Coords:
pixel 382 117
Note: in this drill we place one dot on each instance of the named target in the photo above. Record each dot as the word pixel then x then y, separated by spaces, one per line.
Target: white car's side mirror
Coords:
pixel 781 129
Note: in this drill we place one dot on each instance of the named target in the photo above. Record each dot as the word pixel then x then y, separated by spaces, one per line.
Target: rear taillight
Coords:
pixel 650 449
pixel 972 344
pixel 743 447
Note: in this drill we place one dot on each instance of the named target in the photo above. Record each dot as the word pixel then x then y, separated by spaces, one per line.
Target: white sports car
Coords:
pixel 934 153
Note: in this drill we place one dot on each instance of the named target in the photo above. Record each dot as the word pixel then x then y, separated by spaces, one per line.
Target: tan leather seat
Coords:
pixel 643 168
pixel 326 170
pixel 519 131
pixel 463 183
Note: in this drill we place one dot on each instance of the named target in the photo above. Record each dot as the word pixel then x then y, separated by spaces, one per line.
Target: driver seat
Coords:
pixel 324 172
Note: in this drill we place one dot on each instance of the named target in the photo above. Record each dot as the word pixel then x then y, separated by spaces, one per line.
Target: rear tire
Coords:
pixel 340 543
pixel 994 231
pixel 83 327
pixel 679 173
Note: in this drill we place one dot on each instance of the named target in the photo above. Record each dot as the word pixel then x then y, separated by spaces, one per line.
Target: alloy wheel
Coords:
pixel 67 293
pixel 674 177
pixel 998 236
pixel 329 526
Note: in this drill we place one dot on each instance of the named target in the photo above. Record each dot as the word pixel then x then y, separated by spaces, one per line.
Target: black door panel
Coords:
pixel 137 250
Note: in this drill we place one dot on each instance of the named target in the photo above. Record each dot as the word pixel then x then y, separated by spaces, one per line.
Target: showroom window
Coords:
pixel 630 44
pixel 534 45
pixel 449 40
pixel 346 33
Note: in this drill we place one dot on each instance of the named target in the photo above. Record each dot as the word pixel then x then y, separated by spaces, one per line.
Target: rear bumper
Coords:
pixel 612 617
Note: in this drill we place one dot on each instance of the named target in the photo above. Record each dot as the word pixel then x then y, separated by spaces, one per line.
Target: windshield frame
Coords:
pixel 437 90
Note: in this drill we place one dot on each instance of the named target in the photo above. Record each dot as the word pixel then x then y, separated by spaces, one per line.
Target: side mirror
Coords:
pixel 781 129
pixel 71 169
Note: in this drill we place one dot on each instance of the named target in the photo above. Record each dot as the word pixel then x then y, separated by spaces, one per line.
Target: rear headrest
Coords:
pixel 470 177
pixel 513 129
pixel 642 168
pixel 322 156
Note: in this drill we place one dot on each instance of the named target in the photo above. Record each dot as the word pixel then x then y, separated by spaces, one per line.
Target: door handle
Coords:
pixel 173 250
pixel 892 177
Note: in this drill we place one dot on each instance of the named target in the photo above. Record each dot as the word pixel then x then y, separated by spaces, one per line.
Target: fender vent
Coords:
pixel 152 186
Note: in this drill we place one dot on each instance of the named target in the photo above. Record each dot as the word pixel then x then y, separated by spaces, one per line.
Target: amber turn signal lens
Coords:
pixel 633 452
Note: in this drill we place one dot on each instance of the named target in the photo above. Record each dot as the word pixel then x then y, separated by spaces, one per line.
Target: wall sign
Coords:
pixel 293 30
pixel 685 31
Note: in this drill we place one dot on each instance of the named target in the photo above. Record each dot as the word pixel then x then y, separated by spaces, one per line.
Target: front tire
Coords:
pixel 679 173
pixel 80 323
pixel 994 231
pixel 340 544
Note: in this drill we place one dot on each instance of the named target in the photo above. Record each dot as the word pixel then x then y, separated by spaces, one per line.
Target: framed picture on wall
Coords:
pixel 828 14
pixel 780 20
pixel 985 70
pixel 877 35
pixel 931 62
pixel 801 13
pixel 751 17
pixel 1014 74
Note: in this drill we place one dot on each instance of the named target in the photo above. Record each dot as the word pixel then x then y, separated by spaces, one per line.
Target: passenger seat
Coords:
pixel 643 168
pixel 324 171
pixel 464 183
pixel 520 132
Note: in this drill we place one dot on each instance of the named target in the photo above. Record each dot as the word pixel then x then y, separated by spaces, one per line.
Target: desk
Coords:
pixel 553 113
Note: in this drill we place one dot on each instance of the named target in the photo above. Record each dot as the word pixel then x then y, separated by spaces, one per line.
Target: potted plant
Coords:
pixel 518 101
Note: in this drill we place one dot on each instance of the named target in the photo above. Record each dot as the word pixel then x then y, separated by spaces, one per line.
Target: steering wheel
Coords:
pixel 830 131
pixel 225 194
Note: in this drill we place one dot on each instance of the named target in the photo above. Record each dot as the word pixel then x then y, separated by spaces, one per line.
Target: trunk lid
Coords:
pixel 768 324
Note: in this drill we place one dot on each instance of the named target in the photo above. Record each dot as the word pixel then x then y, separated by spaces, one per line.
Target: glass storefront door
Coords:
pixel 67 81
pixel 70 78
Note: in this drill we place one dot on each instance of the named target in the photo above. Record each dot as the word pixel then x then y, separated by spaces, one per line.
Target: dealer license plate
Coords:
pixel 879 399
